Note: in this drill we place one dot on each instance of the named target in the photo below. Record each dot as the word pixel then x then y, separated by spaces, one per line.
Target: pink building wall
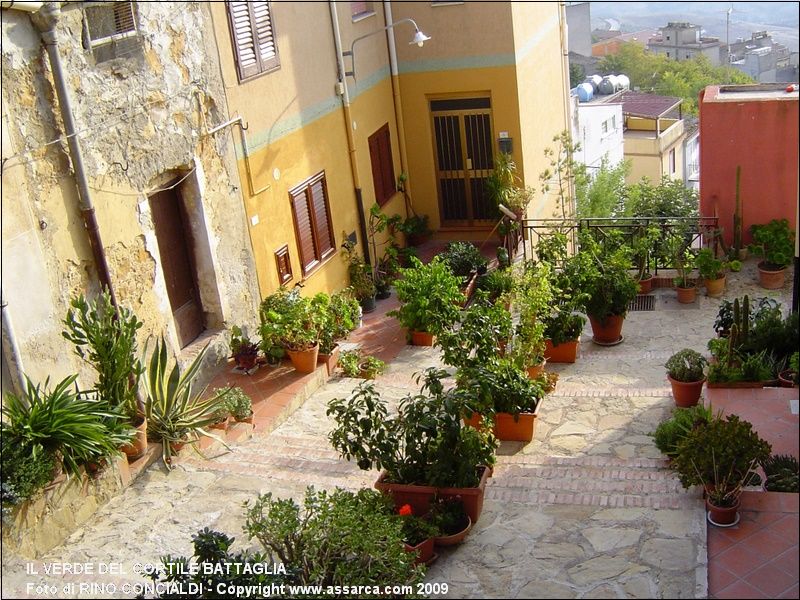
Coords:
pixel 760 133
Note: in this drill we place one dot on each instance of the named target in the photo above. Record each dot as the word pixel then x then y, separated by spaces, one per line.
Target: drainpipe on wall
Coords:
pixel 398 107
pixel 348 126
pixel 11 350
pixel 562 29
pixel 45 21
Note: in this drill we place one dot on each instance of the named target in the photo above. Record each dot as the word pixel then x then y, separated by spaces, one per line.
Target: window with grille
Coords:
pixel 358 9
pixel 380 153
pixel 253 36
pixel 110 30
pixel 284 264
pixel 312 222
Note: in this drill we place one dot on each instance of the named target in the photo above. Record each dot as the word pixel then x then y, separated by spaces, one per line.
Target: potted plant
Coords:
pixel 370 367
pixel 338 316
pixel 562 332
pixel 239 405
pixel 429 298
pixel 498 284
pixel 466 262
pixel 294 321
pixel 362 279
pixel 502 394
pixel 610 289
pixel 789 377
pixel 683 260
pixel 503 186
pixel 685 371
pixel 720 456
pixel 774 242
pixel 416 229
pixel 451 521
pixel 670 432
pixel 481 335
pixel 423 448
pixel 533 297
pixel 176 413
pixel 243 351
pixel 782 473
pixel 105 337
pixel 271 312
pixel 712 270
pixel 220 416
pixel 642 246
pixel 418 534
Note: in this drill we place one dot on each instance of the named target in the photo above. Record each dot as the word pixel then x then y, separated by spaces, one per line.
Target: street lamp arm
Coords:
pixel 418 39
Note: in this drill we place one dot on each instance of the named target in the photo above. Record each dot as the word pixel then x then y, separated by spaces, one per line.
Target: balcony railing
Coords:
pixel 695 232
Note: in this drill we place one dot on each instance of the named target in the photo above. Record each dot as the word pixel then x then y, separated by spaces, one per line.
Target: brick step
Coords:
pixel 584 461
pixel 609 500
pixel 566 389
pixel 590 486
pixel 585 474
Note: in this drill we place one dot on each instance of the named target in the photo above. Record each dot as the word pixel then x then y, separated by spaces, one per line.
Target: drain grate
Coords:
pixel 643 302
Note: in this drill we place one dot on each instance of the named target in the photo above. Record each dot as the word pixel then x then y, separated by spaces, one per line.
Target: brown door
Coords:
pixel 177 260
pixel 463 139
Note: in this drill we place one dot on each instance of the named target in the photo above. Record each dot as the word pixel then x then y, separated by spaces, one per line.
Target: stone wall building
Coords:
pixel 141 81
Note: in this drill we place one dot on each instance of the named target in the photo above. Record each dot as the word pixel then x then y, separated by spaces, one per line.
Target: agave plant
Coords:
pixel 175 413
pixel 61 420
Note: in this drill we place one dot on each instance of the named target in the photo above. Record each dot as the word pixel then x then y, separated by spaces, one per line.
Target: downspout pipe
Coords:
pixel 563 33
pixel 11 350
pixel 348 127
pixel 45 21
pixel 398 107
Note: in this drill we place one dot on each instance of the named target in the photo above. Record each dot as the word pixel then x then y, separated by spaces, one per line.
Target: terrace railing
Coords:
pixel 695 232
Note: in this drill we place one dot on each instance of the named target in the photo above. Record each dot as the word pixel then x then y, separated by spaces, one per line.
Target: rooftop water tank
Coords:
pixel 608 85
pixel 585 92
pixel 623 82
pixel 594 80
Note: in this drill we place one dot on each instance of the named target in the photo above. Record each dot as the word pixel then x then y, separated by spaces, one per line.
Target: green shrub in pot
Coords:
pixel 498 386
pixel 686 366
pixel 239 403
pixel 533 298
pixel 774 242
pixel 429 297
pixel 463 258
pixel 609 284
pixel 671 431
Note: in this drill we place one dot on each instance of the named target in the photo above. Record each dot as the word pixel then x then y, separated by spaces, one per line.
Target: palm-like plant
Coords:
pixel 60 420
pixel 175 413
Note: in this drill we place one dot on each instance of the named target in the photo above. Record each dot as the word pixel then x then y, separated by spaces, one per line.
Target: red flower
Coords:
pixel 405 510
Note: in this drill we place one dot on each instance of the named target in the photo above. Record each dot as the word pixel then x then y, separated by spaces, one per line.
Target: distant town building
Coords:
pixel 754 127
pixel 691 154
pixel 611 44
pixel 761 57
pixel 597 125
pixel 682 41
pixel 579 28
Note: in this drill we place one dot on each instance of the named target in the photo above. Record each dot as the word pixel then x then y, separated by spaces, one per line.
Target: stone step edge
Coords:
pixel 615 500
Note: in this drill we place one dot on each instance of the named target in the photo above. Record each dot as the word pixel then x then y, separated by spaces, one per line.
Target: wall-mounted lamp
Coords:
pixel 419 39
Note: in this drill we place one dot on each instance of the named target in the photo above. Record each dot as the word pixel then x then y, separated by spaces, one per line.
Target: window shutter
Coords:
pixel 305 229
pixel 387 167
pixel 243 39
pixel 321 218
pixel 267 49
pixel 375 160
pixel 253 35
pixel 284 264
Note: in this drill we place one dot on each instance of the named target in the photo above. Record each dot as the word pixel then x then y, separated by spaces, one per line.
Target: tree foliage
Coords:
pixel 651 72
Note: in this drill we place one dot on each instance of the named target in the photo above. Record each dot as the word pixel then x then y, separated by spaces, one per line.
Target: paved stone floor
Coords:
pixel 588 509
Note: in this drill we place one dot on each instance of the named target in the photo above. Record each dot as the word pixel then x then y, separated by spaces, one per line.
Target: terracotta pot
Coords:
pixel 424 551
pixel 221 425
pixel 646 284
pixel 330 360
pixel 686 295
pixel 476 420
pixel 521 429
pixel 536 370
pixel 686 394
pixel 771 280
pixel 247 419
pixel 93 469
pixel 786 378
pixel 609 332
pixel 715 287
pixel 417 239
pixel 421 338
pixel 469 289
pixel 722 515
pixel 138 445
pixel 421 496
pixel 455 538
pixel 566 352
pixel 304 361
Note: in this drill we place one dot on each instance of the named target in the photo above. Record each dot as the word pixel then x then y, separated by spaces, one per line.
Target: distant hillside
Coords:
pixel 782 19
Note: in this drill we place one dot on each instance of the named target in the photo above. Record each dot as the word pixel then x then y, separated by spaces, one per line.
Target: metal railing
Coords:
pixel 695 232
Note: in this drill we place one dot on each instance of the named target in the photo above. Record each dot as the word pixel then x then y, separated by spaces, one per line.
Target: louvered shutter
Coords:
pixel 375 160
pixel 305 229
pixel 253 37
pixel 322 222
pixel 387 167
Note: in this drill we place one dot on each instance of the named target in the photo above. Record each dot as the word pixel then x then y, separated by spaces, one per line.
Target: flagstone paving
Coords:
pixel 587 510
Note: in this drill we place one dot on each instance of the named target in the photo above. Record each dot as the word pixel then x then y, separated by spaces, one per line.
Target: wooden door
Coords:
pixel 175 246
pixel 463 149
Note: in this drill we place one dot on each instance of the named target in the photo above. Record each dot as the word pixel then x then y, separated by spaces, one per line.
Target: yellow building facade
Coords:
pixel 654 148
pixel 489 72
